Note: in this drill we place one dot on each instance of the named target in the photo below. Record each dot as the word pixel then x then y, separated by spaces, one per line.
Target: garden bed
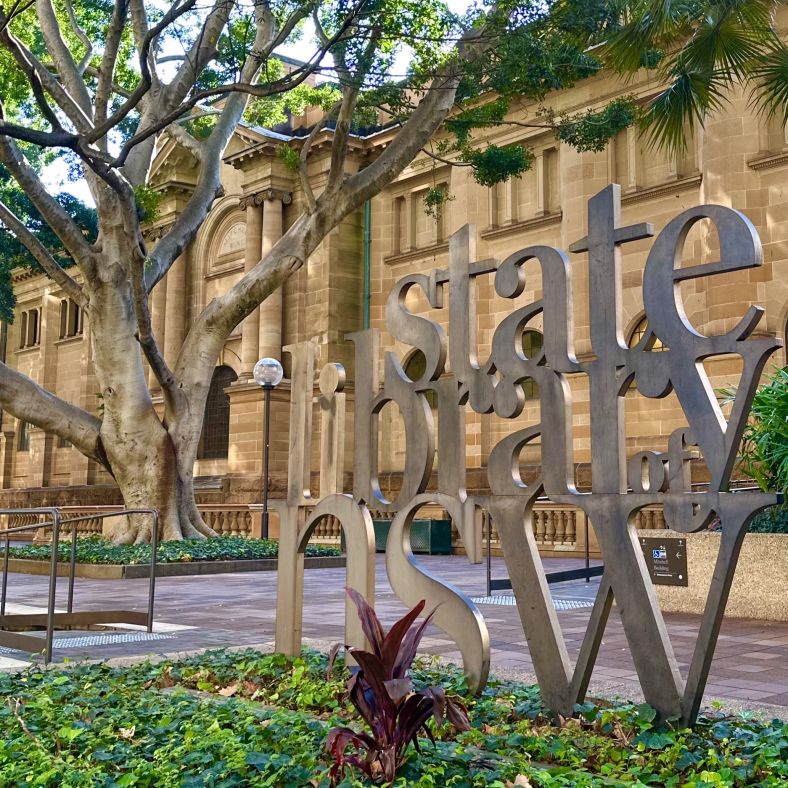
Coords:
pixel 98 559
pixel 248 719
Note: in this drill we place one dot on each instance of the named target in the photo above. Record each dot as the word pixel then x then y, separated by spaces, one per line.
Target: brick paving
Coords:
pixel 750 668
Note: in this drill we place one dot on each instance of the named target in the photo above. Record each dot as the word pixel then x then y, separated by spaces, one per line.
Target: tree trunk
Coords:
pixel 145 459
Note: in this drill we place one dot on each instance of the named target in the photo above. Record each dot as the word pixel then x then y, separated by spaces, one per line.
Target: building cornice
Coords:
pixel 19 275
pixel 766 162
pixel 173 187
pixel 417 254
pixel 661 189
pixel 522 226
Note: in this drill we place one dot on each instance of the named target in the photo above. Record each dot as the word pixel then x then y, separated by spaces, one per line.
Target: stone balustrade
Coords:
pixel 557 528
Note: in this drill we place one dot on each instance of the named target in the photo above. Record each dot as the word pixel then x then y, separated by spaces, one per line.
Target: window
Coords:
pixel 639 331
pixel 215 438
pixel 533 341
pixel 23 437
pixel 70 319
pixel 29 334
pixel 63 443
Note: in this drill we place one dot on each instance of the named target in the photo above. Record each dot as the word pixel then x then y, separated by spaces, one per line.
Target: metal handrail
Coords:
pixel 55 524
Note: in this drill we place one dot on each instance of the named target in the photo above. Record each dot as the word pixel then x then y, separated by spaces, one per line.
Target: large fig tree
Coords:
pixel 100 81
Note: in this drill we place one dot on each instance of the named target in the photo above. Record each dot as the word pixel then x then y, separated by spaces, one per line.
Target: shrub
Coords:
pixel 95 550
pixel 383 694
pixel 773 521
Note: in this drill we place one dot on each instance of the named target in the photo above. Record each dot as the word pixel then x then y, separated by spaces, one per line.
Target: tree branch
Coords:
pixel 40 77
pixel 109 59
pixel 209 185
pixel 50 209
pixel 184 139
pixel 303 173
pixel 28 68
pixel 26 400
pixel 174 398
pixel 146 79
pixel 42 255
pixel 66 67
pixel 341 134
pixel 81 35
pixel 202 50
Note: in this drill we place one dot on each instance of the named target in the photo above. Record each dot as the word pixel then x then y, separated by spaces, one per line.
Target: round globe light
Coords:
pixel 268 373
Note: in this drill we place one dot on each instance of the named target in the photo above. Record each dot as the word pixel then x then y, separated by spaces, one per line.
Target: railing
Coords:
pixel 18 640
pixel 230 519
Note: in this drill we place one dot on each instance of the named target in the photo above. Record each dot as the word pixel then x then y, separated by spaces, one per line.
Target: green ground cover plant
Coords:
pixel 95 550
pixel 250 719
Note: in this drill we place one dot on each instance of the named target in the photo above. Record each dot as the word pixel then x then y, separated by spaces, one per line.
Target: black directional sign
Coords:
pixel 666 560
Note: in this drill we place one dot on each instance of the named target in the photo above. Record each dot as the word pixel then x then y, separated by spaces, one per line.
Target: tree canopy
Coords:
pixel 78 81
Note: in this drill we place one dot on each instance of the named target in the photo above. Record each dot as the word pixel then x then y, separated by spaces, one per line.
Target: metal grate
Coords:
pixel 81 641
pixel 507 600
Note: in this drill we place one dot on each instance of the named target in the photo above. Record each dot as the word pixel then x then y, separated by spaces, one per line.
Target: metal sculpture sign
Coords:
pixel 620 486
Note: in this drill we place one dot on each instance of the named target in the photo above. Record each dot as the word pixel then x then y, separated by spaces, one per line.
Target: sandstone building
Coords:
pixel 740 159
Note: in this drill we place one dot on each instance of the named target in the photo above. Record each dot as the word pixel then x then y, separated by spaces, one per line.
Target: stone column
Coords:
pixel 79 465
pixel 541 191
pixel 271 309
pixel 40 469
pixel 39 456
pixel 250 328
pixel 158 308
pixel 175 315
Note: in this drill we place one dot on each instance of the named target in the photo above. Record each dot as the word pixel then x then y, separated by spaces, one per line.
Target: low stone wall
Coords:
pixel 760 585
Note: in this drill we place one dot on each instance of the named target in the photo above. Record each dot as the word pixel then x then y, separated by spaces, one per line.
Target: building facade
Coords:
pixel 740 159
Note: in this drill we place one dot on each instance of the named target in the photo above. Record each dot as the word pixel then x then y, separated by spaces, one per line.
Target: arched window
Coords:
pixel 639 331
pixel 23 437
pixel 215 438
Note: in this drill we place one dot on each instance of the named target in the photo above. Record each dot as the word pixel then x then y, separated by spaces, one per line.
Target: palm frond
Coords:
pixel 650 26
pixel 769 81
pixel 722 44
pixel 682 106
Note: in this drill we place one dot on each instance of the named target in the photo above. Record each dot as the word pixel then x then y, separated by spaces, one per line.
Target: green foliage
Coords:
pixel 148 202
pixel 95 550
pixel 13 254
pixel 195 723
pixel 591 130
pixel 270 112
pixel 290 157
pixel 773 521
pixel 494 163
pixel 434 199
pixel 765 447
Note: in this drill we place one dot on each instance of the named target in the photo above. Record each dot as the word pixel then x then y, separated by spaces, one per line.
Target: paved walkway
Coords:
pixel 750 668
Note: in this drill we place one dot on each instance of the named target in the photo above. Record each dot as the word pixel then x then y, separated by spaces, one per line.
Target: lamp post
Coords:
pixel 268 375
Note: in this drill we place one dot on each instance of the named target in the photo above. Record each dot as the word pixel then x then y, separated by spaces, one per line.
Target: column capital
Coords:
pixel 264 195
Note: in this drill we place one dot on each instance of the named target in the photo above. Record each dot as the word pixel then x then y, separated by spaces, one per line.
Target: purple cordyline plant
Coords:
pixel 383 694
